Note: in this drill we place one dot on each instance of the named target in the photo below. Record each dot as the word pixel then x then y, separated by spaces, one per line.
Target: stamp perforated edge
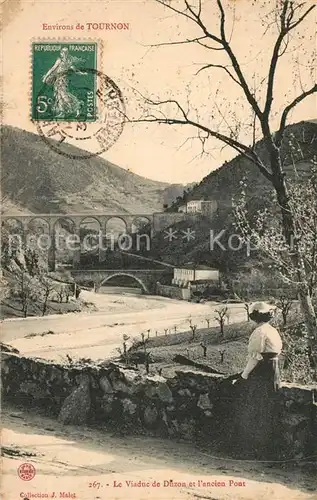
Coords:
pixel 64 39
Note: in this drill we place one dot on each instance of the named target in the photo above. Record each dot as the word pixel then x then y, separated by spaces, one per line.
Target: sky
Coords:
pixel 161 152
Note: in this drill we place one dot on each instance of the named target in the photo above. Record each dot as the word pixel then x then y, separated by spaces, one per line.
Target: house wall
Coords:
pixel 207 274
pixel 174 292
pixel 194 206
pixel 209 208
pixel 182 275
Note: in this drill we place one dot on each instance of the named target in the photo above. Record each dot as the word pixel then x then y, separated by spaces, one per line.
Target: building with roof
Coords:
pixel 202 207
pixel 193 274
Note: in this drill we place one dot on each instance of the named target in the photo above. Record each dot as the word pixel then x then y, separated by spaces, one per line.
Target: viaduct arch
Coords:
pixel 158 222
pixel 76 220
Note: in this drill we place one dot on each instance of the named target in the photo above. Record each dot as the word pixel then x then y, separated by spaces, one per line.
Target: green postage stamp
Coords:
pixel 64 81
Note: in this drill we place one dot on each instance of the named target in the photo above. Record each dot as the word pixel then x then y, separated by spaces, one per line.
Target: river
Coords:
pixel 97 334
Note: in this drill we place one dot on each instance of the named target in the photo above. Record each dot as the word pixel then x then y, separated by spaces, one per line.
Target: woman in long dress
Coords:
pixel 64 102
pixel 255 429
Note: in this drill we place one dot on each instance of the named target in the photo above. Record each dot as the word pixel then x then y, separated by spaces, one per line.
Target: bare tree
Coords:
pixel 125 339
pixel 242 294
pixel 26 289
pixel 208 322
pixel 68 292
pixel 287 17
pixel 193 329
pixel 204 348
pixel 221 317
pixel 247 306
pixel 284 303
pixel 147 363
pixel 32 261
pixel 48 287
pixel 61 293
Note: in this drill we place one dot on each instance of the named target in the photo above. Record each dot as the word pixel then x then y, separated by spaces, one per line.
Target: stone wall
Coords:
pixel 166 219
pixel 174 292
pixel 190 405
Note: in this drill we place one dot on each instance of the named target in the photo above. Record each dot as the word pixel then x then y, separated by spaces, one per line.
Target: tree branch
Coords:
pixel 243 83
pixel 222 21
pixel 177 11
pixel 180 42
pixel 195 17
pixel 221 67
pixel 301 18
pixel 274 59
pixel 241 148
pixel 285 28
pixel 297 100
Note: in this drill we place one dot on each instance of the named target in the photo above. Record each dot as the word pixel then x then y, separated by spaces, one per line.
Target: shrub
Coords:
pixel 297 367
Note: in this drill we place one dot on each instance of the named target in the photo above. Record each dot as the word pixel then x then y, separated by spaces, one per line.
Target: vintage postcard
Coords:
pixel 159 249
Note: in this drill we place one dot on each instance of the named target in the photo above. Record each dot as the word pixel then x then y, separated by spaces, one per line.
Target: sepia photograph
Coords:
pixel 159 250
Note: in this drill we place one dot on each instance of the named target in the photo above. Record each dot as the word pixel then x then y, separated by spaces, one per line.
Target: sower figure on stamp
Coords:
pixel 255 429
pixel 65 103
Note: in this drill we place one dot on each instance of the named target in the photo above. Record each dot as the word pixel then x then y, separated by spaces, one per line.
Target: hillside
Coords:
pixel 223 185
pixel 37 179
pixel 174 191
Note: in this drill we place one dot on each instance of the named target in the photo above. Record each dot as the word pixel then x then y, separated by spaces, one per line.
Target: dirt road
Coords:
pixel 97 334
pixel 89 464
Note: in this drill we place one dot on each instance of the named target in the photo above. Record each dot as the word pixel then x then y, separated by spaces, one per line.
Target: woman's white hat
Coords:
pixel 263 307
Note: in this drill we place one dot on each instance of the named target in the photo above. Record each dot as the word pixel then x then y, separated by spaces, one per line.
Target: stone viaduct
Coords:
pixel 157 221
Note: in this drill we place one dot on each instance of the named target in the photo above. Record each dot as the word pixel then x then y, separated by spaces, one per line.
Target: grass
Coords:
pixel 226 353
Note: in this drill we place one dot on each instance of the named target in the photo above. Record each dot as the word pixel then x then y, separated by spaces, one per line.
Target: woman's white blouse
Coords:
pixel 265 338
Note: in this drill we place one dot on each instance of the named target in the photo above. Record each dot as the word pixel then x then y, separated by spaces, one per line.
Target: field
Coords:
pixel 224 353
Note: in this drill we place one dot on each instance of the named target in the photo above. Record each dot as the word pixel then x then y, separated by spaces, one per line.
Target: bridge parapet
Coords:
pixel 158 221
pixel 146 278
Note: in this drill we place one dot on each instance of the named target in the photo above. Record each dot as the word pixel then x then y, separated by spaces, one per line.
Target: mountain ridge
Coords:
pixel 223 185
pixel 36 179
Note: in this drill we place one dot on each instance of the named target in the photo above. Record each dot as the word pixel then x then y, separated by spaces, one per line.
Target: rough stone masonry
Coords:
pixel 191 405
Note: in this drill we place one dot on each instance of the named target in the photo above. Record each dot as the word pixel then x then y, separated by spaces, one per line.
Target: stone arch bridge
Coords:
pixel 146 278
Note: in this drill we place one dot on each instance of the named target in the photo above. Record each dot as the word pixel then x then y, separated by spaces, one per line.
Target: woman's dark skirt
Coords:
pixel 255 421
